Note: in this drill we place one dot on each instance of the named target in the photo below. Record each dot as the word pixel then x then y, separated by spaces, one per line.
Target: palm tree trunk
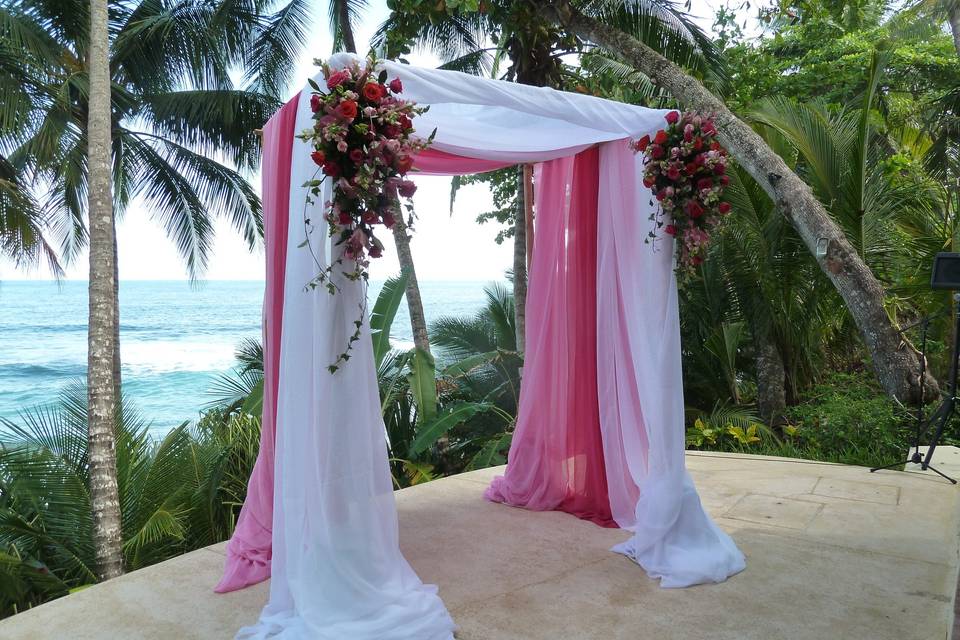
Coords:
pixel 418 321
pixel 954 18
pixel 117 375
pixel 520 261
pixel 771 381
pixel 101 334
pixel 895 362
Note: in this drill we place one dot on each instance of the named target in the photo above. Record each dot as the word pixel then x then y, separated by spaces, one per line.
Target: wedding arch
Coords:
pixel 600 429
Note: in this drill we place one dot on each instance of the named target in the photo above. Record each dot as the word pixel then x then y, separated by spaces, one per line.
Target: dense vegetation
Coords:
pixel 860 99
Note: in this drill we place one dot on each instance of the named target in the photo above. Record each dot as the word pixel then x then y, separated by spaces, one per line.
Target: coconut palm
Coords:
pixel 100 109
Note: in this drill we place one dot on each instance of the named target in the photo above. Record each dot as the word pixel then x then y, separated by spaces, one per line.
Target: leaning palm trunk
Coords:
pixel 895 361
pixel 102 347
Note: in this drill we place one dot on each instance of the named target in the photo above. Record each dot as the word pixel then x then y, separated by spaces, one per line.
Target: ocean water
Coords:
pixel 175 338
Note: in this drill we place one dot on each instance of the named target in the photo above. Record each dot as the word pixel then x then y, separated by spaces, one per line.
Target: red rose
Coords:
pixel 375 251
pixel 404 121
pixel 373 91
pixel 387 219
pixel 670 230
pixel 661 195
pixel 708 128
pixel 704 183
pixel 332 169
pixel 673 173
pixel 673 117
pixel 691 168
pixel 318 157
pixel 724 207
pixel 369 217
pixel 724 180
pixel 648 181
pixel 694 209
pixel 715 146
pixel 697 261
pixel 392 131
pixel 719 168
pixel 396 86
pixel 344 218
pixel 697 143
pixel 349 109
pixel 643 143
pixel 661 137
pixel 407 188
pixel 315 103
pixel 404 163
pixel 356 155
pixel 657 152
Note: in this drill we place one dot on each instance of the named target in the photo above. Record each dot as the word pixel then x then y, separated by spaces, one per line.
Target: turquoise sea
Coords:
pixel 175 338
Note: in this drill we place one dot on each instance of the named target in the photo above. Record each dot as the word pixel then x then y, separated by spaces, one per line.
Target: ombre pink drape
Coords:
pixel 556 457
pixel 249 550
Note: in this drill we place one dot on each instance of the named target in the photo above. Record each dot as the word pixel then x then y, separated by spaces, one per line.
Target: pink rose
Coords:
pixel 338 78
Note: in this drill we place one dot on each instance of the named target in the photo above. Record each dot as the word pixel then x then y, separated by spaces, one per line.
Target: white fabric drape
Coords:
pixel 641 389
pixel 494 120
pixel 337 570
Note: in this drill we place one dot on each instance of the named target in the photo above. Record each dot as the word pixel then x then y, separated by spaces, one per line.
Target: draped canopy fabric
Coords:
pixel 600 425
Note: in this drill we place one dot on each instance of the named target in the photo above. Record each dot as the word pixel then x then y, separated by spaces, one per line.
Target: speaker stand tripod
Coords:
pixel 946 409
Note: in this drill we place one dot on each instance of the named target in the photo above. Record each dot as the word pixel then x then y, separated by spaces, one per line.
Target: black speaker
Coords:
pixel 946 271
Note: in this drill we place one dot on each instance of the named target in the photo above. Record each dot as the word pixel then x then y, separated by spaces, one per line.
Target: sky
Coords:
pixel 445 246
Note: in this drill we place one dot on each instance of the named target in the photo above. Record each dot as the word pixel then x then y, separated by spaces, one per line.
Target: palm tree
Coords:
pixel 101 334
pixel 863 294
pixel 136 104
pixel 182 131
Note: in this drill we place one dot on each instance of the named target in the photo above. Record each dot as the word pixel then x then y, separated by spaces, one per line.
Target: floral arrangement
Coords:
pixel 686 171
pixel 362 141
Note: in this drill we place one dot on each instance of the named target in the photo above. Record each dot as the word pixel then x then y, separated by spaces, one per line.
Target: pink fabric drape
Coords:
pixel 556 457
pixel 249 550
pixel 433 162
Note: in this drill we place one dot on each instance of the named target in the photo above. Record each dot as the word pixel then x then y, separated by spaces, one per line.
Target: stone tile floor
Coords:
pixel 833 552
